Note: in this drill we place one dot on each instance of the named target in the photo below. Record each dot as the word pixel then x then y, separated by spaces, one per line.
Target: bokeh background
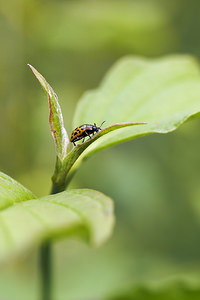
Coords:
pixel 153 180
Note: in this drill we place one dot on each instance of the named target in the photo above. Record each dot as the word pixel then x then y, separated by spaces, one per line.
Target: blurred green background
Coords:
pixel 154 180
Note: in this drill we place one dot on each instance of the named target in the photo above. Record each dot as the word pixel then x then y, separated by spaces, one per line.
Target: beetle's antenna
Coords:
pixel 102 123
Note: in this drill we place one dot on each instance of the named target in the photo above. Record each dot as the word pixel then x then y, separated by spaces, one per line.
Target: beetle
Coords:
pixel 84 130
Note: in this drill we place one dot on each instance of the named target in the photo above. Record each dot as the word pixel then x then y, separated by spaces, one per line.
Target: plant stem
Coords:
pixel 45 260
pixel 57 189
pixel 45 269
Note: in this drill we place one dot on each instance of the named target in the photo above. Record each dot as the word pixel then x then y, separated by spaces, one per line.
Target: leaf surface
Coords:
pixel 26 224
pixel 12 191
pixel 162 92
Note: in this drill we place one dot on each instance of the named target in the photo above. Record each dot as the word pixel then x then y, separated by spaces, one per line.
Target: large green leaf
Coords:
pixel 163 92
pixel 84 213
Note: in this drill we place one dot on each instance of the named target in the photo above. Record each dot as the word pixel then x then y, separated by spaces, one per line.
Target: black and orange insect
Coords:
pixel 83 131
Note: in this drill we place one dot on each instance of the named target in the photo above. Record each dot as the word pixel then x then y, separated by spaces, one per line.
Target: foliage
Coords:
pixel 154 181
pixel 83 212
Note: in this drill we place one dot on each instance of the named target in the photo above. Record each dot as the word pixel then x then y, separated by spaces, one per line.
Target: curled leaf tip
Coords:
pixel 55 117
pixel 32 68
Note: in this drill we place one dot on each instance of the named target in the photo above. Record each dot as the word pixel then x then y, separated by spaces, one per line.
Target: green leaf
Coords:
pixel 12 191
pixel 55 117
pixel 163 92
pixel 84 213
pixel 62 168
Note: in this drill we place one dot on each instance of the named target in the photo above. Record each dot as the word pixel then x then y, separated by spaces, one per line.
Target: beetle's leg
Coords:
pixel 87 134
pixel 83 140
pixel 74 144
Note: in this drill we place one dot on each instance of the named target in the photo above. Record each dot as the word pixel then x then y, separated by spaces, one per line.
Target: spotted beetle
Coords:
pixel 84 130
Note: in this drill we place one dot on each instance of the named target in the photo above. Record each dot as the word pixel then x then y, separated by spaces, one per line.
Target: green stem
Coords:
pixel 57 189
pixel 45 269
pixel 45 260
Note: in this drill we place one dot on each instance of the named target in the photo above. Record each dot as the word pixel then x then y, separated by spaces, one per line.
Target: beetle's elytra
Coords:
pixel 83 131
